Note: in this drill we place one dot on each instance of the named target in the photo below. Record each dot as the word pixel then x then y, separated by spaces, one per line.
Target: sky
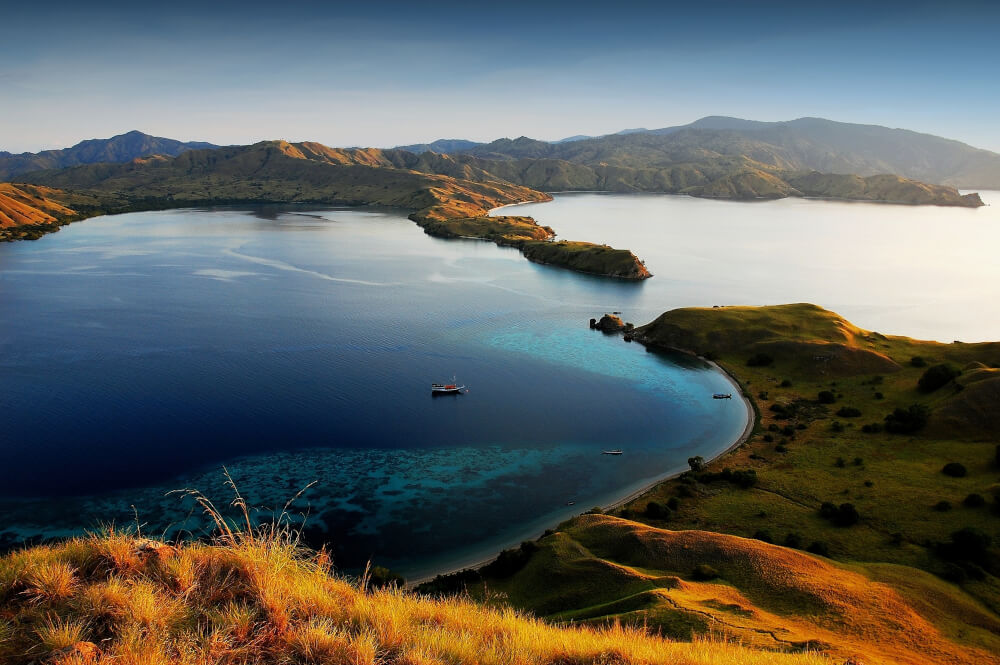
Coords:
pixel 389 73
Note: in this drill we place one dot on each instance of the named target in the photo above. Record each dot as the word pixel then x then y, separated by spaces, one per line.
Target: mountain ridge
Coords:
pixel 804 144
pixel 119 148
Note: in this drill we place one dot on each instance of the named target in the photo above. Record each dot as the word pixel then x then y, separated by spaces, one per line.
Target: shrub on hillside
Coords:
pixel 967 544
pixel 704 572
pixel 848 412
pixel 935 377
pixel 908 420
pixel 917 361
pixel 743 478
pixel 872 428
pixel 657 511
pixel 818 547
pixel 974 501
pixel 697 463
pixel 793 540
pixel 955 470
pixel 763 535
pixel 760 360
pixel 511 561
pixel 942 506
pixel 843 515
pixel 826 397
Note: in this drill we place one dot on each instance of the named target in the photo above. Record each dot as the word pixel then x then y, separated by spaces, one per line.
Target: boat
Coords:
pixel 722 396
pixel 611 452
pixel 447 388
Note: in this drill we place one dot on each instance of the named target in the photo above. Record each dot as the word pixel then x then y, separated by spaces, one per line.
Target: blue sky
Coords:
pixel 387 73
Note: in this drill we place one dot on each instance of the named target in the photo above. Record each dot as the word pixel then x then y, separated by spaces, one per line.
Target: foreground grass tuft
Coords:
pixel 258 598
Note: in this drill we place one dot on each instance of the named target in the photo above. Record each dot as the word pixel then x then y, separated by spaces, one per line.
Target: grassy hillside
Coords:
pixel 30 211
pixel 121 148
pixel 875 459
pixel 597 567
pixel 258 599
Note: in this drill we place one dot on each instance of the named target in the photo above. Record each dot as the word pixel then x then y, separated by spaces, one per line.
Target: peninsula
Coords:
pixel 448 199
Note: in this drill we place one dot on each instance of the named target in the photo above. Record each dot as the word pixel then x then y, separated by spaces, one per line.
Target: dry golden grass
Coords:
pixel 256 597
pixel 30 204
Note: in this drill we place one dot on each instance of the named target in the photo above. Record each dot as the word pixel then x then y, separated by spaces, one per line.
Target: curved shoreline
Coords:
pixel 477 562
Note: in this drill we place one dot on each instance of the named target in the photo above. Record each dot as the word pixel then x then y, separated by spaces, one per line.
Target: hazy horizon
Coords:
pixel 393 73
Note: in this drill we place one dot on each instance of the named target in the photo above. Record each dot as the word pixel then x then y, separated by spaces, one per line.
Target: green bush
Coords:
pixel 942 506
pixel 760 360
pixel 974 501
pixel 936 377
pixel 743 478
pixel 704 572
pixel 848 412
pixel 843 515
pixel 826 397
pixel 657 511
pixel 818 547
pixel 763 535
pixel 908 420
pixel 917 361
pixel 955 470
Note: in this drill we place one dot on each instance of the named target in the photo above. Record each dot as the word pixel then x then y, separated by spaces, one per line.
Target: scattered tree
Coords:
pixel 955 470
pixel 826 397
pixel 908 420
pixel 936 377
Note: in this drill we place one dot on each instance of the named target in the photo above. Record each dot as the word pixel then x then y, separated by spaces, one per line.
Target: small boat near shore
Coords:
pixel 722 396
pixel 611 452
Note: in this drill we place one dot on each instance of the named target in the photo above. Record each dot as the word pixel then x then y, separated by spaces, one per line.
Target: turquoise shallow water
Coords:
pixel 141 353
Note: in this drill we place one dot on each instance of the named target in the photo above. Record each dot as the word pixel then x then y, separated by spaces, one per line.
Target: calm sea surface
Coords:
pixel 140 353
pixel 921 271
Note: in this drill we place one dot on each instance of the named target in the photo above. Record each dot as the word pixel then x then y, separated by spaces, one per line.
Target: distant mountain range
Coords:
pixel 806 144
pixel 121 148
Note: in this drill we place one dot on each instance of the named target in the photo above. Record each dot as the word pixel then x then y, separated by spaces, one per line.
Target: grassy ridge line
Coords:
pixel 260 599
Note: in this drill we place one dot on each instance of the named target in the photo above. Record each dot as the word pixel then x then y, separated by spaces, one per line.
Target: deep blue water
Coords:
pixel 140 353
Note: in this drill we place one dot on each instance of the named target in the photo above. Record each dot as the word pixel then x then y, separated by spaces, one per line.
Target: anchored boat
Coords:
pixel 611 452
pixel 447 388
pixel 722 396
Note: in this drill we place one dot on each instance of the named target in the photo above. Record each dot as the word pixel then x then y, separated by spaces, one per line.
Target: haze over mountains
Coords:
pixel 121 148
pixel 805 144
